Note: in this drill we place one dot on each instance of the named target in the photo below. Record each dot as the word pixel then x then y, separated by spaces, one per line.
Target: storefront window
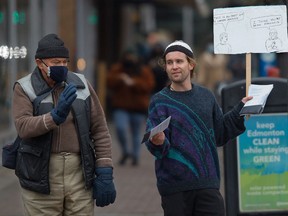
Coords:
pixel 4 55
pixel 13 52
pixel 21 19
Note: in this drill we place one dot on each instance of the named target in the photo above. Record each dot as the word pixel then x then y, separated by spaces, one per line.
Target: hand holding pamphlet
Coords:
pixel 159 128
pixel 260 94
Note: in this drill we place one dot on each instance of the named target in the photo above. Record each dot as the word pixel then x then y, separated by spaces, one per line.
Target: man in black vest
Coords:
pixel 64 160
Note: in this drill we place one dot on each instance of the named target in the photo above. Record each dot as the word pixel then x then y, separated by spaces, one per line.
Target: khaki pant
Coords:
pixel 68 195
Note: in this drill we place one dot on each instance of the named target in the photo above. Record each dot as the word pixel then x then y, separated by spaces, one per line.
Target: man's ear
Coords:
pixel 191 66
pixel 43 69
pixel 39 63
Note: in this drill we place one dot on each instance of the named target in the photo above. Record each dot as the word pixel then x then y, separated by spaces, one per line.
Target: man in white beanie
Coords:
pixel 186 164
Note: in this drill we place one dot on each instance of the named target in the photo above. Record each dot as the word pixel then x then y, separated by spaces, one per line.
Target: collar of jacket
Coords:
pixel 40 86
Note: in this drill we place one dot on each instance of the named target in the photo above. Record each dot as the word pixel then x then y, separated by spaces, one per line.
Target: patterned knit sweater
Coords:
pixel 188 158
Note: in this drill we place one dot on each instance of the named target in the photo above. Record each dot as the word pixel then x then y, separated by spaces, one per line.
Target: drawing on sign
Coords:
pixel 223 46
pixel 273 43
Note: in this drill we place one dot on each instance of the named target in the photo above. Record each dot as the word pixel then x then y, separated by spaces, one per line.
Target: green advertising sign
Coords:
pixel 1 17
pixel 263 164
pixel 18 17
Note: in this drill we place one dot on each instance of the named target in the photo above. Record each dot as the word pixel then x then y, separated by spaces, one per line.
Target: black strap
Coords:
pixel 36 102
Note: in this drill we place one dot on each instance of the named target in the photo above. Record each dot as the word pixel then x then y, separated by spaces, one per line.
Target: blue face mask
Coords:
pixel 57 73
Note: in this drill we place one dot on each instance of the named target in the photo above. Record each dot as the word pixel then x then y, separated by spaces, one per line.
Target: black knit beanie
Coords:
pixel 51 46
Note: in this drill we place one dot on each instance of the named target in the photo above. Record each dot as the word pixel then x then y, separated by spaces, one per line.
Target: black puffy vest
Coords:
pixel 33 155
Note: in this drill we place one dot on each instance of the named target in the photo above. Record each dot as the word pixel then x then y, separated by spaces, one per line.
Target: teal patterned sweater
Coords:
pixel 188 158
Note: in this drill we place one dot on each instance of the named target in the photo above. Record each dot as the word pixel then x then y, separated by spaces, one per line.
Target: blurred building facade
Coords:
pixel 97 31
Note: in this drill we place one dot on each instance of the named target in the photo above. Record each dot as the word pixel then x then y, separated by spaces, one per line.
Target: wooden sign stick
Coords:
pixel 248 75
pixel 248 72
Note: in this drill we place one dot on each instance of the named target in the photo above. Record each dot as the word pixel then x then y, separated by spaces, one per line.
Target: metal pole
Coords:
pixel 34 33
pixel 49 17
pixel 148 17
pixel 86 38
pixel 12 64
pixel 187 25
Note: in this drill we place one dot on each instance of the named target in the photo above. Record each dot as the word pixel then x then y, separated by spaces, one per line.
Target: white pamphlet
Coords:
pixel 159 128
pixel 260 94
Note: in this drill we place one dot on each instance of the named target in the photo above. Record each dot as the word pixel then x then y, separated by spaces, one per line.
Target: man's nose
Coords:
pixel 174 65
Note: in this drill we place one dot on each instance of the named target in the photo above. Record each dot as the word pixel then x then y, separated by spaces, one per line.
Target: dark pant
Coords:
pixel 205 202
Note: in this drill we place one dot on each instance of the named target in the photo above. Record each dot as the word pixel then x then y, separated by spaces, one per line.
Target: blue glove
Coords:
pixel 103 188
pixel 61 111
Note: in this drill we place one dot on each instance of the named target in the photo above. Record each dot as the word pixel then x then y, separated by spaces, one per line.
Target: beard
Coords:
pixel 179 77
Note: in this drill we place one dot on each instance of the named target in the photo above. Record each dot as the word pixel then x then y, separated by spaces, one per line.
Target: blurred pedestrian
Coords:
pixel 130 83
pixel 160 75
pixel 237 66
pixel 64 160
pixel 212 69
pixel 273 71
pixel 186 160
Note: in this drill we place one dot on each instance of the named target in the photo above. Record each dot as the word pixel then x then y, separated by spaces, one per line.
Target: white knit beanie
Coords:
pixel 180 46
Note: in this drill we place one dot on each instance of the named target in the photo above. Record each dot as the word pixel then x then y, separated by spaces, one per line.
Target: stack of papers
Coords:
pixel 260 94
